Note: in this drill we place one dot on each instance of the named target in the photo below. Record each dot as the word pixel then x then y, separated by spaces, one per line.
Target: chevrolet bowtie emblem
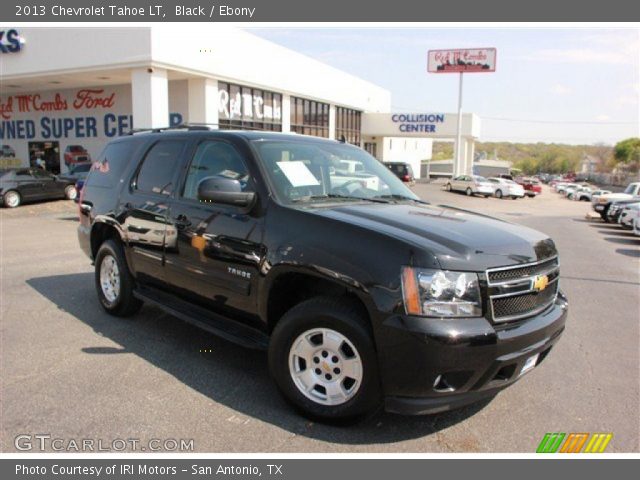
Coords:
pixel 540 282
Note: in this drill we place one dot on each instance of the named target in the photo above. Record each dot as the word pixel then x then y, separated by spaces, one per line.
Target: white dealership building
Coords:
pixel 65 92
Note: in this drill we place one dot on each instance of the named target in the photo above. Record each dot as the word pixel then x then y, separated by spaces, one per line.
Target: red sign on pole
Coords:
pixel 465 60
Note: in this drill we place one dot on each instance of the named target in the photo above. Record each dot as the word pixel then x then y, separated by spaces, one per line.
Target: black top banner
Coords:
pixel 318 11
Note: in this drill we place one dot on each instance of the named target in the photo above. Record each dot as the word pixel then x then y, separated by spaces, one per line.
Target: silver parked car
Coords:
pixel 471 185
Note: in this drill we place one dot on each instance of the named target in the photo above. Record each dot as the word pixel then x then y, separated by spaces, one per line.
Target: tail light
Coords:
pixel 406 178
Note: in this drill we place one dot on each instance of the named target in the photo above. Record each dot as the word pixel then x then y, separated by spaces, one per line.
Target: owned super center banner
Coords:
pixel 470 60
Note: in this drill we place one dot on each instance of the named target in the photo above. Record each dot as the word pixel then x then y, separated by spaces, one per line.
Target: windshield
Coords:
pixel 310 172
pixel 630 189
pixel 478 178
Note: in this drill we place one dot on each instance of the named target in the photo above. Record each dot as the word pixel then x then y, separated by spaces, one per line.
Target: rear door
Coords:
pixel 27 185
pixel 145 207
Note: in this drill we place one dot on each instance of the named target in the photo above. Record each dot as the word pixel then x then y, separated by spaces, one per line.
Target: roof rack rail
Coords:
pixel 195 126
pixel 181 126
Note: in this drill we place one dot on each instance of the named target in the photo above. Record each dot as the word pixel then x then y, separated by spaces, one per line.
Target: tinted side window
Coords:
pixel 41 174
pixel 23 175
pixel 215 159
pixel 159 167
pixel 107 170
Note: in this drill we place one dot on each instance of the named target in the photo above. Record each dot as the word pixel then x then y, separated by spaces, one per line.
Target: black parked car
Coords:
pixel 22 185
pixel 403 171
pixel 360 291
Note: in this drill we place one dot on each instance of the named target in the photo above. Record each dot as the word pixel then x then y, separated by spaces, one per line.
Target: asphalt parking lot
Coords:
pixel 71 371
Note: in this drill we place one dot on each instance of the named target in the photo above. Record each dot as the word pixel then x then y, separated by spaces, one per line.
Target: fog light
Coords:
pixel 441 385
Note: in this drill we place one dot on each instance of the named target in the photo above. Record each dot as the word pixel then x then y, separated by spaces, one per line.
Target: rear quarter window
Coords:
pixel 110 166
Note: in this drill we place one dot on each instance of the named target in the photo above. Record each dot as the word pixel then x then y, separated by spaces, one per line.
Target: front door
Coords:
pixel 215 254
pixel 51 188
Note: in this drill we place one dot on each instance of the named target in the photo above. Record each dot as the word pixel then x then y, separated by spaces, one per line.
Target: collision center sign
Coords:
pixel 466 60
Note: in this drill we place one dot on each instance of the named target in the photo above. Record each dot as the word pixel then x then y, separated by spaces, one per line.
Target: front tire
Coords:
pixel 323 360
pixel 114 282
pixel 498 193
pixel 448 187
pixel 11 199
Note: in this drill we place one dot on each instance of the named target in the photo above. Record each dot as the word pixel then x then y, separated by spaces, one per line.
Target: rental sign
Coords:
pixel 466 60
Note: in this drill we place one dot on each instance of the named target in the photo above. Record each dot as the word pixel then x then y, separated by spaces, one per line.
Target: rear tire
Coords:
pixel 498 193
pixel 11 199
pixel 469 192
pixel 323 360
pixel 114 282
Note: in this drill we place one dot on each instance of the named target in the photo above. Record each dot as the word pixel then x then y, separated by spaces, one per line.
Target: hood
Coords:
pixel 616 196
pixel 458 239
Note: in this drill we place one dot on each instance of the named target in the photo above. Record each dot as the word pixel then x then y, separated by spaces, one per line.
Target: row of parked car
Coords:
pixel 621 208
pixel 576 191
pixel 503 186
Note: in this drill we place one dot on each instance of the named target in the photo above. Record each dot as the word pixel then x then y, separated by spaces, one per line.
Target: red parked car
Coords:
pixel 76 154
pixel 532 187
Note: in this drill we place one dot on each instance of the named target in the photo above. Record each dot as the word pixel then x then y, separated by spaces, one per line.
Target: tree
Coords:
pixel 627 152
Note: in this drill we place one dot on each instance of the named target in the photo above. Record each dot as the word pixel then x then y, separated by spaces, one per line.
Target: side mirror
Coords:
pixel 226 191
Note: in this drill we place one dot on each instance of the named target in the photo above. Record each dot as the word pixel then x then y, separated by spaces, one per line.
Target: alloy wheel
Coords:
pixel 110 278
pixel 325 366
pixel 12 199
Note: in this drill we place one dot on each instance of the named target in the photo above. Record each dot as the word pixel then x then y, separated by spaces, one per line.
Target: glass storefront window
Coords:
pixel 348 124
pixel 309 117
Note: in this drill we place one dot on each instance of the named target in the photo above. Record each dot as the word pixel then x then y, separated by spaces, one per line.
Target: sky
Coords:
pixel 553 85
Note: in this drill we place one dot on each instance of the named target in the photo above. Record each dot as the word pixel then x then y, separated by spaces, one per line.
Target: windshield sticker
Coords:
pixel 298 174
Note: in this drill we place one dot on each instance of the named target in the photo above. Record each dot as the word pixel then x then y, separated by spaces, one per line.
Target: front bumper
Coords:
pixel 472 357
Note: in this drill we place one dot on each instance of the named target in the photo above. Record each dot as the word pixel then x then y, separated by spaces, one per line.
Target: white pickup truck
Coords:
pixel 601 203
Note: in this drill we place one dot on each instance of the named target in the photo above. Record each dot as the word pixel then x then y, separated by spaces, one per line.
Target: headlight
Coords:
pixel 441 293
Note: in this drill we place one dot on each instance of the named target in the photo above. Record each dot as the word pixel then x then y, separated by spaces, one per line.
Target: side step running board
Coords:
pixel 202 318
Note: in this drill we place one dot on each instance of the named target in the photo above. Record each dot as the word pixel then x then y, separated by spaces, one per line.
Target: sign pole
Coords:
pixel 458 162
pixel 476 60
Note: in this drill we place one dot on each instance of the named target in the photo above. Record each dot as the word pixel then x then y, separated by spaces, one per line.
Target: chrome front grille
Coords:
pixel 518 272
pixel 514 294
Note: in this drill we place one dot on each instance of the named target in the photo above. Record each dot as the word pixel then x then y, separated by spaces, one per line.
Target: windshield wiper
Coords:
pixel 342 197
pixel 395 196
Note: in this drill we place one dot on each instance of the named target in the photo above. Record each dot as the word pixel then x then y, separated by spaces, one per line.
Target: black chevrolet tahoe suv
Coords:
pixel 362 294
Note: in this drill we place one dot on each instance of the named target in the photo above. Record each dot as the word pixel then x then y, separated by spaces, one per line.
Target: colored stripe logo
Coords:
pixel 574 442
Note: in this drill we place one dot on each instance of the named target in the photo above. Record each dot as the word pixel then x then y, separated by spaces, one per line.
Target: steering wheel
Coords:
pixel 344 188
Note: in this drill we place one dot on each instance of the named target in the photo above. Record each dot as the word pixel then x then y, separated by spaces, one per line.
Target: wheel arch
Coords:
pixel 103 229
pixel 287 287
